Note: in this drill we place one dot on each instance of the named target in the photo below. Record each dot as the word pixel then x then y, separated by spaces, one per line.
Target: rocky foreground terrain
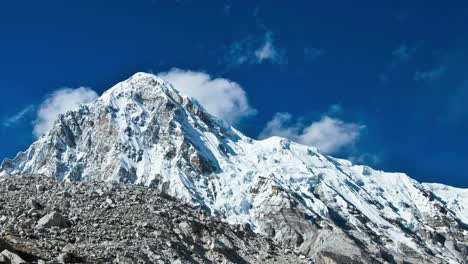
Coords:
pixel 44 220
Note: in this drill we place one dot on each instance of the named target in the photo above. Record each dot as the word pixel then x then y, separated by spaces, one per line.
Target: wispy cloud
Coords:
pixel 16 118
pixel 254 50
pixel 227 9
pixel 455 111
pixel 445 85
pixel 268 52
pixel 329 134
pixel 239 52
pixel 367 158
pixel 313 53
pixel 334 109
pixel 401 55
pixel 430 75
pixel 402 15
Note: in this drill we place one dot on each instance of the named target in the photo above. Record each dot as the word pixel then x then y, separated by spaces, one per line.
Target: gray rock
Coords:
pixel 65 257
pixel 246 228
pixel 33 204
pixel 53 219
pixel 186 227
pixel 12 257
pixel 3 219
pixel 69 248
pixel 220 245
pixel 109 201
pixel 40 188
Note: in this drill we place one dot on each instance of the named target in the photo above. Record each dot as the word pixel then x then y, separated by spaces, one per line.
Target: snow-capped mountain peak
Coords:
pixel 143 131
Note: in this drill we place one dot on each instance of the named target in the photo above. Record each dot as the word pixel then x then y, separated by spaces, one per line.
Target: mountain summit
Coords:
pixel 143 131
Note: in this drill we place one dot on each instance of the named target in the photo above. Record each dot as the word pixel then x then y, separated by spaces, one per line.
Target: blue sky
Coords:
pixel 380 82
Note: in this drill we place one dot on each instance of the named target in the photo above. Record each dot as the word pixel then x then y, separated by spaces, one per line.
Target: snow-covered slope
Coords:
pixel 456 199
pixel 143 131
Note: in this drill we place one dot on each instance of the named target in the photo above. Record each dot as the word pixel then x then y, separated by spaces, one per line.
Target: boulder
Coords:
pixel 186 227
pixel 12 187
pixel 65 257
pixel 69 248
pixel 12 257
pixel 51 220
pixel 33 204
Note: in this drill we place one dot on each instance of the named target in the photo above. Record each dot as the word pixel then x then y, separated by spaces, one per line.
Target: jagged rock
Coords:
pixel 54 219
pixel 245 227
pixel 186 227
pixel 66 257
pixel 221 244
pixel 12 257
pixel 40 188
pixel 35 204
pixel 69 248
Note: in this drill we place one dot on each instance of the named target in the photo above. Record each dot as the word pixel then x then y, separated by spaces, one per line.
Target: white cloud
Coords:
pixel 281 126
pixel 222 98
pixel 328 134
pixel 9 121
pixel 60 101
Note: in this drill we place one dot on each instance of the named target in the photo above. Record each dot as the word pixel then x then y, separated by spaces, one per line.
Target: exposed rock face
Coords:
pixel 139 227
pixel 142 131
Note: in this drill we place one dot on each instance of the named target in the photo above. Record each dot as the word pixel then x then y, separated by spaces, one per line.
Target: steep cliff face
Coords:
pixel 142 131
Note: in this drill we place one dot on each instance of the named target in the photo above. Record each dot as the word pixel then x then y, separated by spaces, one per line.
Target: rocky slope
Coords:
pixel 456 199
pixel 142 131
pixel 44 219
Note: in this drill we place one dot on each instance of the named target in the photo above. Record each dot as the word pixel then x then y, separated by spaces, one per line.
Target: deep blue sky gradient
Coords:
pixel 418 126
